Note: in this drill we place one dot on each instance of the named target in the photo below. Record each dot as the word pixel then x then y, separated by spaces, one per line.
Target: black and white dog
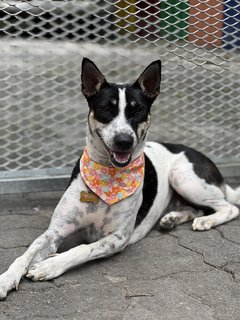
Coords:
pixel 135 184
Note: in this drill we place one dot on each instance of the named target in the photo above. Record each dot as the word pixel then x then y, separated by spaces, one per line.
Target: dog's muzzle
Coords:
pixel 121 155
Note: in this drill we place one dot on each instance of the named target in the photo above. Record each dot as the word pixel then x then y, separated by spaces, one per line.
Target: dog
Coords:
pixel 122 186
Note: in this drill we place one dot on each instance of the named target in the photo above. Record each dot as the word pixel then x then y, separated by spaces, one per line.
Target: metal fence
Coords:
pixel 42 111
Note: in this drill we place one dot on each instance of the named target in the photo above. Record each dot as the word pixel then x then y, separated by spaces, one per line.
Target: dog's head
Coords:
pixel 119 115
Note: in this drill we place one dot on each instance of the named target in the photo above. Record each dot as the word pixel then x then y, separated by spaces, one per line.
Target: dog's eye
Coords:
pixel 108 106
pixel 104 108
pixel 135 109
pixel 138 109
pixel 113 102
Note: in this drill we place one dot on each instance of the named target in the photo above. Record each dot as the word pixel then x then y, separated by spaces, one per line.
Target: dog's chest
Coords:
pixel 100 221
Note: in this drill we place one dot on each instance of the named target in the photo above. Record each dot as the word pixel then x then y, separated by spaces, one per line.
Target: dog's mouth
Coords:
pixel 117 158
pixel 120 159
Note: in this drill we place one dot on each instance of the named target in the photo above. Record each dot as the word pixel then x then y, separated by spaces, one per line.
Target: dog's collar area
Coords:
pixel 112 184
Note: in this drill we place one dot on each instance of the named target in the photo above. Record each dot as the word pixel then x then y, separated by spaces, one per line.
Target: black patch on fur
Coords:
pixel 138 106
pixel 102 105
pixel 149 190
pixel 202 165
pixel 177 201
pixel 75 172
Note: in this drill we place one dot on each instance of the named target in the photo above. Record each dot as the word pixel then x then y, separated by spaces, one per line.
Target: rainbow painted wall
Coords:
pixel 212 22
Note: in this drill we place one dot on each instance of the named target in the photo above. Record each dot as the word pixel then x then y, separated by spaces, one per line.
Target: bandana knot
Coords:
pixel 109 183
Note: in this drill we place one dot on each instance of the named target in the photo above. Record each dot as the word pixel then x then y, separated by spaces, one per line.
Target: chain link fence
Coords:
pixel 42 112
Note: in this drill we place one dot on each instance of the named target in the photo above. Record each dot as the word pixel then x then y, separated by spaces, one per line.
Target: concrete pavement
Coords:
pixel 171 276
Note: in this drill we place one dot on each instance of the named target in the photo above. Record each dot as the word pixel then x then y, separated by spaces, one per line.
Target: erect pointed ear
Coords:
pixel 149 81
pixel 92 78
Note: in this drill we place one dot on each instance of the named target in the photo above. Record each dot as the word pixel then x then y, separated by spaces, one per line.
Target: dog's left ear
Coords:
pixel 149 81
pixel 92 78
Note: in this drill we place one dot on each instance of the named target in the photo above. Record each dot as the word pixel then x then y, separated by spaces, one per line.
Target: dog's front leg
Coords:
pixel 65 220
pixel 45 244
pixel 57 265
pixel 118 230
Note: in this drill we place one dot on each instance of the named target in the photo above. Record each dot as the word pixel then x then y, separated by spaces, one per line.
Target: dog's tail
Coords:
pixel 232 195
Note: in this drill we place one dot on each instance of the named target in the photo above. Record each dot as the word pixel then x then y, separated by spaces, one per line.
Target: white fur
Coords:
pixel 162 160
pixel 119 124
pixel 109 229
pixel 233 196
pixel 173 171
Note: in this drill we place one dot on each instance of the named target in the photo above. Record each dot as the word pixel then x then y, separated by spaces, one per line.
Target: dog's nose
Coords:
pixel 123 142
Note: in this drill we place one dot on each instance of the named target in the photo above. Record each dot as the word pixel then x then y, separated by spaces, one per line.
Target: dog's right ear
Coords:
pixel 92 78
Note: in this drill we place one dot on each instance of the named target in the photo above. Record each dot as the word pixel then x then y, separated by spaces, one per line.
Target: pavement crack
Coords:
pixel 22 228
pixel 195 251
pixel 226 238
pixel 129 295
pixel 12 213
pixel 229 272
pixel 221 268
pixel 13 247
pixel 204 303
pixel 192 250
pixel 171 275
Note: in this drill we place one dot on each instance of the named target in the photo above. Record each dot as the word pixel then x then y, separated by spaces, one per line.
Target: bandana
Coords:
pixel 109 183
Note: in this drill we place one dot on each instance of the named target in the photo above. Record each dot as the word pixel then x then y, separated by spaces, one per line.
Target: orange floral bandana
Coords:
pixel 109 183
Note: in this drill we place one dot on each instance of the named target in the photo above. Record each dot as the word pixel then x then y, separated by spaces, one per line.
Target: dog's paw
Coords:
pixel 7 283
pixel 202 224
pixel 168 222
pixel 3 292
pixel 44 270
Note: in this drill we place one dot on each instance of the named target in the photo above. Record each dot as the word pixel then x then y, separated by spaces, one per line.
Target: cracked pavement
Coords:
pixel 182 274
